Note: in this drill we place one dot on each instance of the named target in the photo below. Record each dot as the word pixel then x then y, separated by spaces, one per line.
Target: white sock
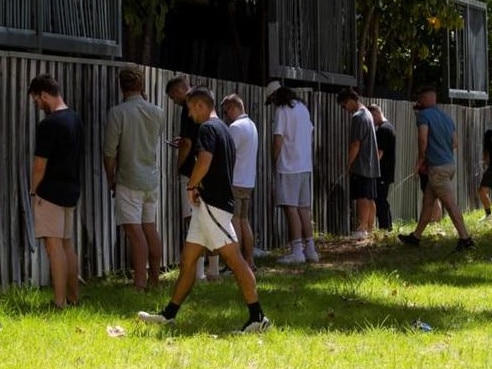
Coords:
pixel 213 265
pixel 200 267
pixel 310 245
pixel 297 247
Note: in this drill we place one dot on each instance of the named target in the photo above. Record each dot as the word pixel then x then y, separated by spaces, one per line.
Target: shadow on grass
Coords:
pixel 313 298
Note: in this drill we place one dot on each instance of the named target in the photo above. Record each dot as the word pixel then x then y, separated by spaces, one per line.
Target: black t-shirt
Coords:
pixel 385 135
pixel 216 186
pixel 59 138
pixel 189 130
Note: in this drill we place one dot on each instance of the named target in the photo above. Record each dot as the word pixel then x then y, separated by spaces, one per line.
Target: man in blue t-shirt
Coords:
pixel 210 193
pixel 437 139
pixel 55 185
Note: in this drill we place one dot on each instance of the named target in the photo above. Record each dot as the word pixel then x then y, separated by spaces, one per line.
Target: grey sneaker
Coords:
pixel 256 326
pixel 154 318
pixel 311 256
pixel 292 259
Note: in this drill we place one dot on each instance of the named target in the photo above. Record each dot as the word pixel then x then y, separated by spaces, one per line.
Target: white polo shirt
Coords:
pixel 245 136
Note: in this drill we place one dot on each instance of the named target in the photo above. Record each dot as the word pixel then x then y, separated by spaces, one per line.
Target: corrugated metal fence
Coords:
pixel 90 87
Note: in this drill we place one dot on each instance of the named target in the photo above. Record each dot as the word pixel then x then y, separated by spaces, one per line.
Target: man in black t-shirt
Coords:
pixel 486 182
pixel 210 192
pixel 385 136
pixel 176 89
pixel 55 185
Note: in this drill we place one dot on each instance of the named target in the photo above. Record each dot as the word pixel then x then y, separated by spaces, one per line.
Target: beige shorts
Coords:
pixel 440 179
pixel 185 203
pixel 51 220
pixel 135 207
pixel 242 197
pixel 205 231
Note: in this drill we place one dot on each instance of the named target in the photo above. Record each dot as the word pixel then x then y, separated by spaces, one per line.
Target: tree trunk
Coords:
pixel 374 55
pixel 363 41
pixel 148 40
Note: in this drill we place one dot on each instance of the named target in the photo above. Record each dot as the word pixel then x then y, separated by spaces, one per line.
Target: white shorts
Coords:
pixel 135 207
pixel 185 204
pixel 205 231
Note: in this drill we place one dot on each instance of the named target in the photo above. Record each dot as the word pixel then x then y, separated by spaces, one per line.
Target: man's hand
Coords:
pixel 193 196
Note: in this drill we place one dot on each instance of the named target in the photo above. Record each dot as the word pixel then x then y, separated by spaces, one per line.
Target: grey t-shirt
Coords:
pixel 366 164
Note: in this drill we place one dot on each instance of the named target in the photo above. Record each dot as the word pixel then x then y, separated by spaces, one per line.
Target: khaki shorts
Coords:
pixel 135 207
pixel 440 179
pixel 242 196
pixel 293 189
pixel 205 231
pixel 51 220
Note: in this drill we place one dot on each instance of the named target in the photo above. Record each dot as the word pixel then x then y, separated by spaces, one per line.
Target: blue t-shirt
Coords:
pixel 440 138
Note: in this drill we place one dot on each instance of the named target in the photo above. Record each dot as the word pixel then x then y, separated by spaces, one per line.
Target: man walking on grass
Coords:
pixel 210 192
pixel 437 139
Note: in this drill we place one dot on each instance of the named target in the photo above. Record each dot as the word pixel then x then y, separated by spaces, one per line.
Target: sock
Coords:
pixel 255 312
pixel 310 245
pixel 213 265
pixel 487 212
pixel 200 267
pixel 297 247
pixel 171 310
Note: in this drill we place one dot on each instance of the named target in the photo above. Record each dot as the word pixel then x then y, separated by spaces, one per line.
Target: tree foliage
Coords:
pixel 395 36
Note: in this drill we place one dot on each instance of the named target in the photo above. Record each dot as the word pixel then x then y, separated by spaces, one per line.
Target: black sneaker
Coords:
pixel 409 239
pixel 465 244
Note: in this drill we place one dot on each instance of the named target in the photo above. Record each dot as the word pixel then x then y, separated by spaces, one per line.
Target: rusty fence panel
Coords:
pixel 91 88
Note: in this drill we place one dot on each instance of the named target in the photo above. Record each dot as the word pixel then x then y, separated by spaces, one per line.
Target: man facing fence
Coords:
pixel 130 145
pixel 55 185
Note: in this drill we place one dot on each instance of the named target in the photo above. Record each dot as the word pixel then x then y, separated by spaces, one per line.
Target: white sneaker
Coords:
pixel 154 318
pixel 261 326
pixel 359 235
pixel 292 259
pixel 311 256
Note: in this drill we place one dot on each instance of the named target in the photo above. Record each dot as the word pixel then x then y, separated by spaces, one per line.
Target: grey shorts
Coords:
pixel 242 197
pixel 293 189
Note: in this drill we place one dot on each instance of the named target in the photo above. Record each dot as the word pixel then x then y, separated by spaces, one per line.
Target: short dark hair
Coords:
pixel 202 93
pixel 425 89
pixel 347 94
pixel 178 80
pixel 131 79
pixel 233 99
pixel 46 83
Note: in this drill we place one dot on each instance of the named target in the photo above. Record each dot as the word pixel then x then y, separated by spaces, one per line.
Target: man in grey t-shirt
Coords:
pixel 363 163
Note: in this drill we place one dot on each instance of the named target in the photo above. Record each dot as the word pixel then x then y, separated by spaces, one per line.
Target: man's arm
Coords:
pixel 278 141
pixel 352 154
pixel 110 168
pixel 38 171
pixel 200 169
pixel 183 150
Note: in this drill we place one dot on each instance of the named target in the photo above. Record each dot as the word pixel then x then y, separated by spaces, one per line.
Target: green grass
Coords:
pixel 354 310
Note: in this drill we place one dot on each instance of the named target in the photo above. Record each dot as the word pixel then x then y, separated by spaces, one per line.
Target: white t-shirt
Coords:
pixel 295 127
pixel 245 136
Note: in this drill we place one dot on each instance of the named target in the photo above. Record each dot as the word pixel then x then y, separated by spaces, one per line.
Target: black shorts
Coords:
pixel 487 178
pixel 363 188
